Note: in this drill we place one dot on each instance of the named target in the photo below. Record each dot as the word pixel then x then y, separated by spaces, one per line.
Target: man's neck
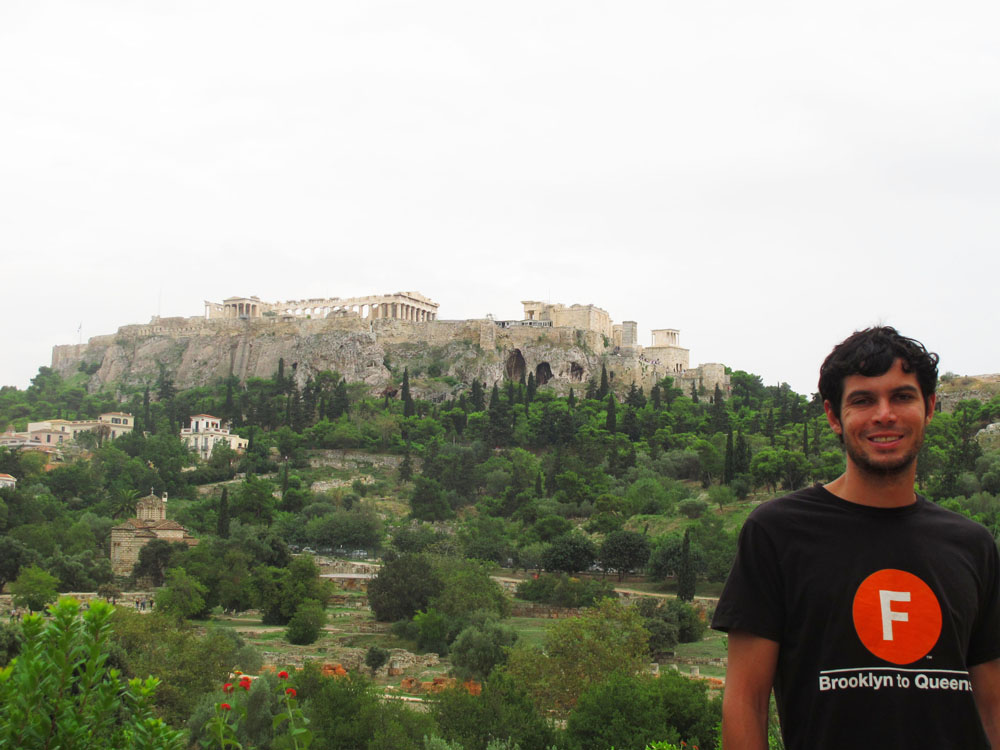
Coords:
pixel 877 491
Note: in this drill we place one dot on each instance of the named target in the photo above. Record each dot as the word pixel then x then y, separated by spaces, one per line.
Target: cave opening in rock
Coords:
pixel 543 373
pixel 514 368
pixel 575 372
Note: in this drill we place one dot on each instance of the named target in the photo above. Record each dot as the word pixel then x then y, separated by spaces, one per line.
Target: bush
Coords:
pixel 692 508
pixel 563 591
pixel 307 622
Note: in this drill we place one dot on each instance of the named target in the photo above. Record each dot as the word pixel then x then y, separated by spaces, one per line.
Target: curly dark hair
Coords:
pixel 871 352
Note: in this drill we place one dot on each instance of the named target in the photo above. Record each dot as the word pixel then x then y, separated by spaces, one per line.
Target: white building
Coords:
pixel 6 480
pixel 205 431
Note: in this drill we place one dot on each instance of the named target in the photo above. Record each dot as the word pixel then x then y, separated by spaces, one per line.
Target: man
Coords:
pixel 873 613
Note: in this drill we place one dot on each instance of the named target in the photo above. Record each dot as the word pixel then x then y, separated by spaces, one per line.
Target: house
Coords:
pixel 6 480
pixel 205 431
pixel 57 431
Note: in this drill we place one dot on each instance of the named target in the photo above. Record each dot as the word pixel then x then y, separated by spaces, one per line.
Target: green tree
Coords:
pixel 686 578
pixel 503 713
pixel 604 388
pixel 579 652
pixel 569 553
pixel 403 586
pixel 623 552
pixel 307 623
pixel 375 658
pixel 154 559
pixel 409 409
pixel 610 420
pixel 254 502
pixel 222 523
pixel 34 588
pixel 183 596
pixel 627 711
pixel 481 647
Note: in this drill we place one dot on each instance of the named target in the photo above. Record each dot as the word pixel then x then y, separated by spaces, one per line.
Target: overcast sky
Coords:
pixel 766 177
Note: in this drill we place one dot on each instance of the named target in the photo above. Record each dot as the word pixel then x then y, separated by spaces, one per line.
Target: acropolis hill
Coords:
pixel 371 339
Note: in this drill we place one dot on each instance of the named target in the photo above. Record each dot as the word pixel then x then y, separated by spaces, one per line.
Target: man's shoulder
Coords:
pixel 791 505
pixel 945 518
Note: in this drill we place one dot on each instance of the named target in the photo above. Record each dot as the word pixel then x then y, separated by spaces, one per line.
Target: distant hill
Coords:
pixel 954 388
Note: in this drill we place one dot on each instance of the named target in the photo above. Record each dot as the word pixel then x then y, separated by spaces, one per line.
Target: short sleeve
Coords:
pixel 984 645
pixel 753 598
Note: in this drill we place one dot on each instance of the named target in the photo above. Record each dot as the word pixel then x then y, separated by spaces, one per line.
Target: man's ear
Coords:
pixel 931 402
pixel 832 418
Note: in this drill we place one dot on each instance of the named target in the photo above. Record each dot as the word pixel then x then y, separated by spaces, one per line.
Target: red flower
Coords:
pixel 227 688
pixel 245 683
pixel 225 707
pixel 283 675
pixel 291 692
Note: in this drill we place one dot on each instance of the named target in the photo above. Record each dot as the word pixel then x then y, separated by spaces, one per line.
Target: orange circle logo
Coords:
pixel 897 616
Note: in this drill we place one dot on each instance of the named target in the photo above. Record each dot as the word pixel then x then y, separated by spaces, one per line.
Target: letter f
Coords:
pixel 886 598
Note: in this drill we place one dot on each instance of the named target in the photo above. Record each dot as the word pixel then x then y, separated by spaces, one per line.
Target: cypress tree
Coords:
pixel 602 391
pixel 685 571
pixel 729 470
pixel 408 408
pixel 571 401
pixel 742 454
pixel 805 438
pixel 611 421
pixel 654 396
pixel 406 467
pixel 694 392
pixel 532 387
pixel 222 524
pixel 539 487
pixel 477 398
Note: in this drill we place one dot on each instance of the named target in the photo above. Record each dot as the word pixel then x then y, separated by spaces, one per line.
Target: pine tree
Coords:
pixel 805 438
pixel 769 426
pixel 222 524
pixel 408 407
pixel 539 485
pixel 686 581
pixel 611 421
pixel 603 390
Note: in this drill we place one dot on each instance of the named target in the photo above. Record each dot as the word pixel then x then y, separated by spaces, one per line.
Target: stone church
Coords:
pixel 150 523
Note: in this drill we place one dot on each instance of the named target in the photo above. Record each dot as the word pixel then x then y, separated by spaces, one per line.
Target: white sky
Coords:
pixel 767 177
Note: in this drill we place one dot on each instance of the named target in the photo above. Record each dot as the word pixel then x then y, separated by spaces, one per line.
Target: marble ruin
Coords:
pixel 411 306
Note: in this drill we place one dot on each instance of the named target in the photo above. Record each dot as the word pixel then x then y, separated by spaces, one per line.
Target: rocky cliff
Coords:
pixel 195 352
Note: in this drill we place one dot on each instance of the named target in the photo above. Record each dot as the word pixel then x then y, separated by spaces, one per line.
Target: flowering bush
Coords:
pixel 221 728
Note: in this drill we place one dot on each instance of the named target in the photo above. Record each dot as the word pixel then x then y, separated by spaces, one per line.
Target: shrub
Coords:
pixel 307 622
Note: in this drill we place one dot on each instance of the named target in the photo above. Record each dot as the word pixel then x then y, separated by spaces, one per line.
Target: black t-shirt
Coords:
pixel 879 613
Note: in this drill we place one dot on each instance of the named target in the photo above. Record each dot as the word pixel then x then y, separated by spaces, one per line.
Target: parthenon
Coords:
pixel 411 306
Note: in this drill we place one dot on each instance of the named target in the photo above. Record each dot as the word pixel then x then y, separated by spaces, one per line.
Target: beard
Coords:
pixel 883 470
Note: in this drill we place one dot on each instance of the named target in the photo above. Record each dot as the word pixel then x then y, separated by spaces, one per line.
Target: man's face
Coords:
pixel 882 420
